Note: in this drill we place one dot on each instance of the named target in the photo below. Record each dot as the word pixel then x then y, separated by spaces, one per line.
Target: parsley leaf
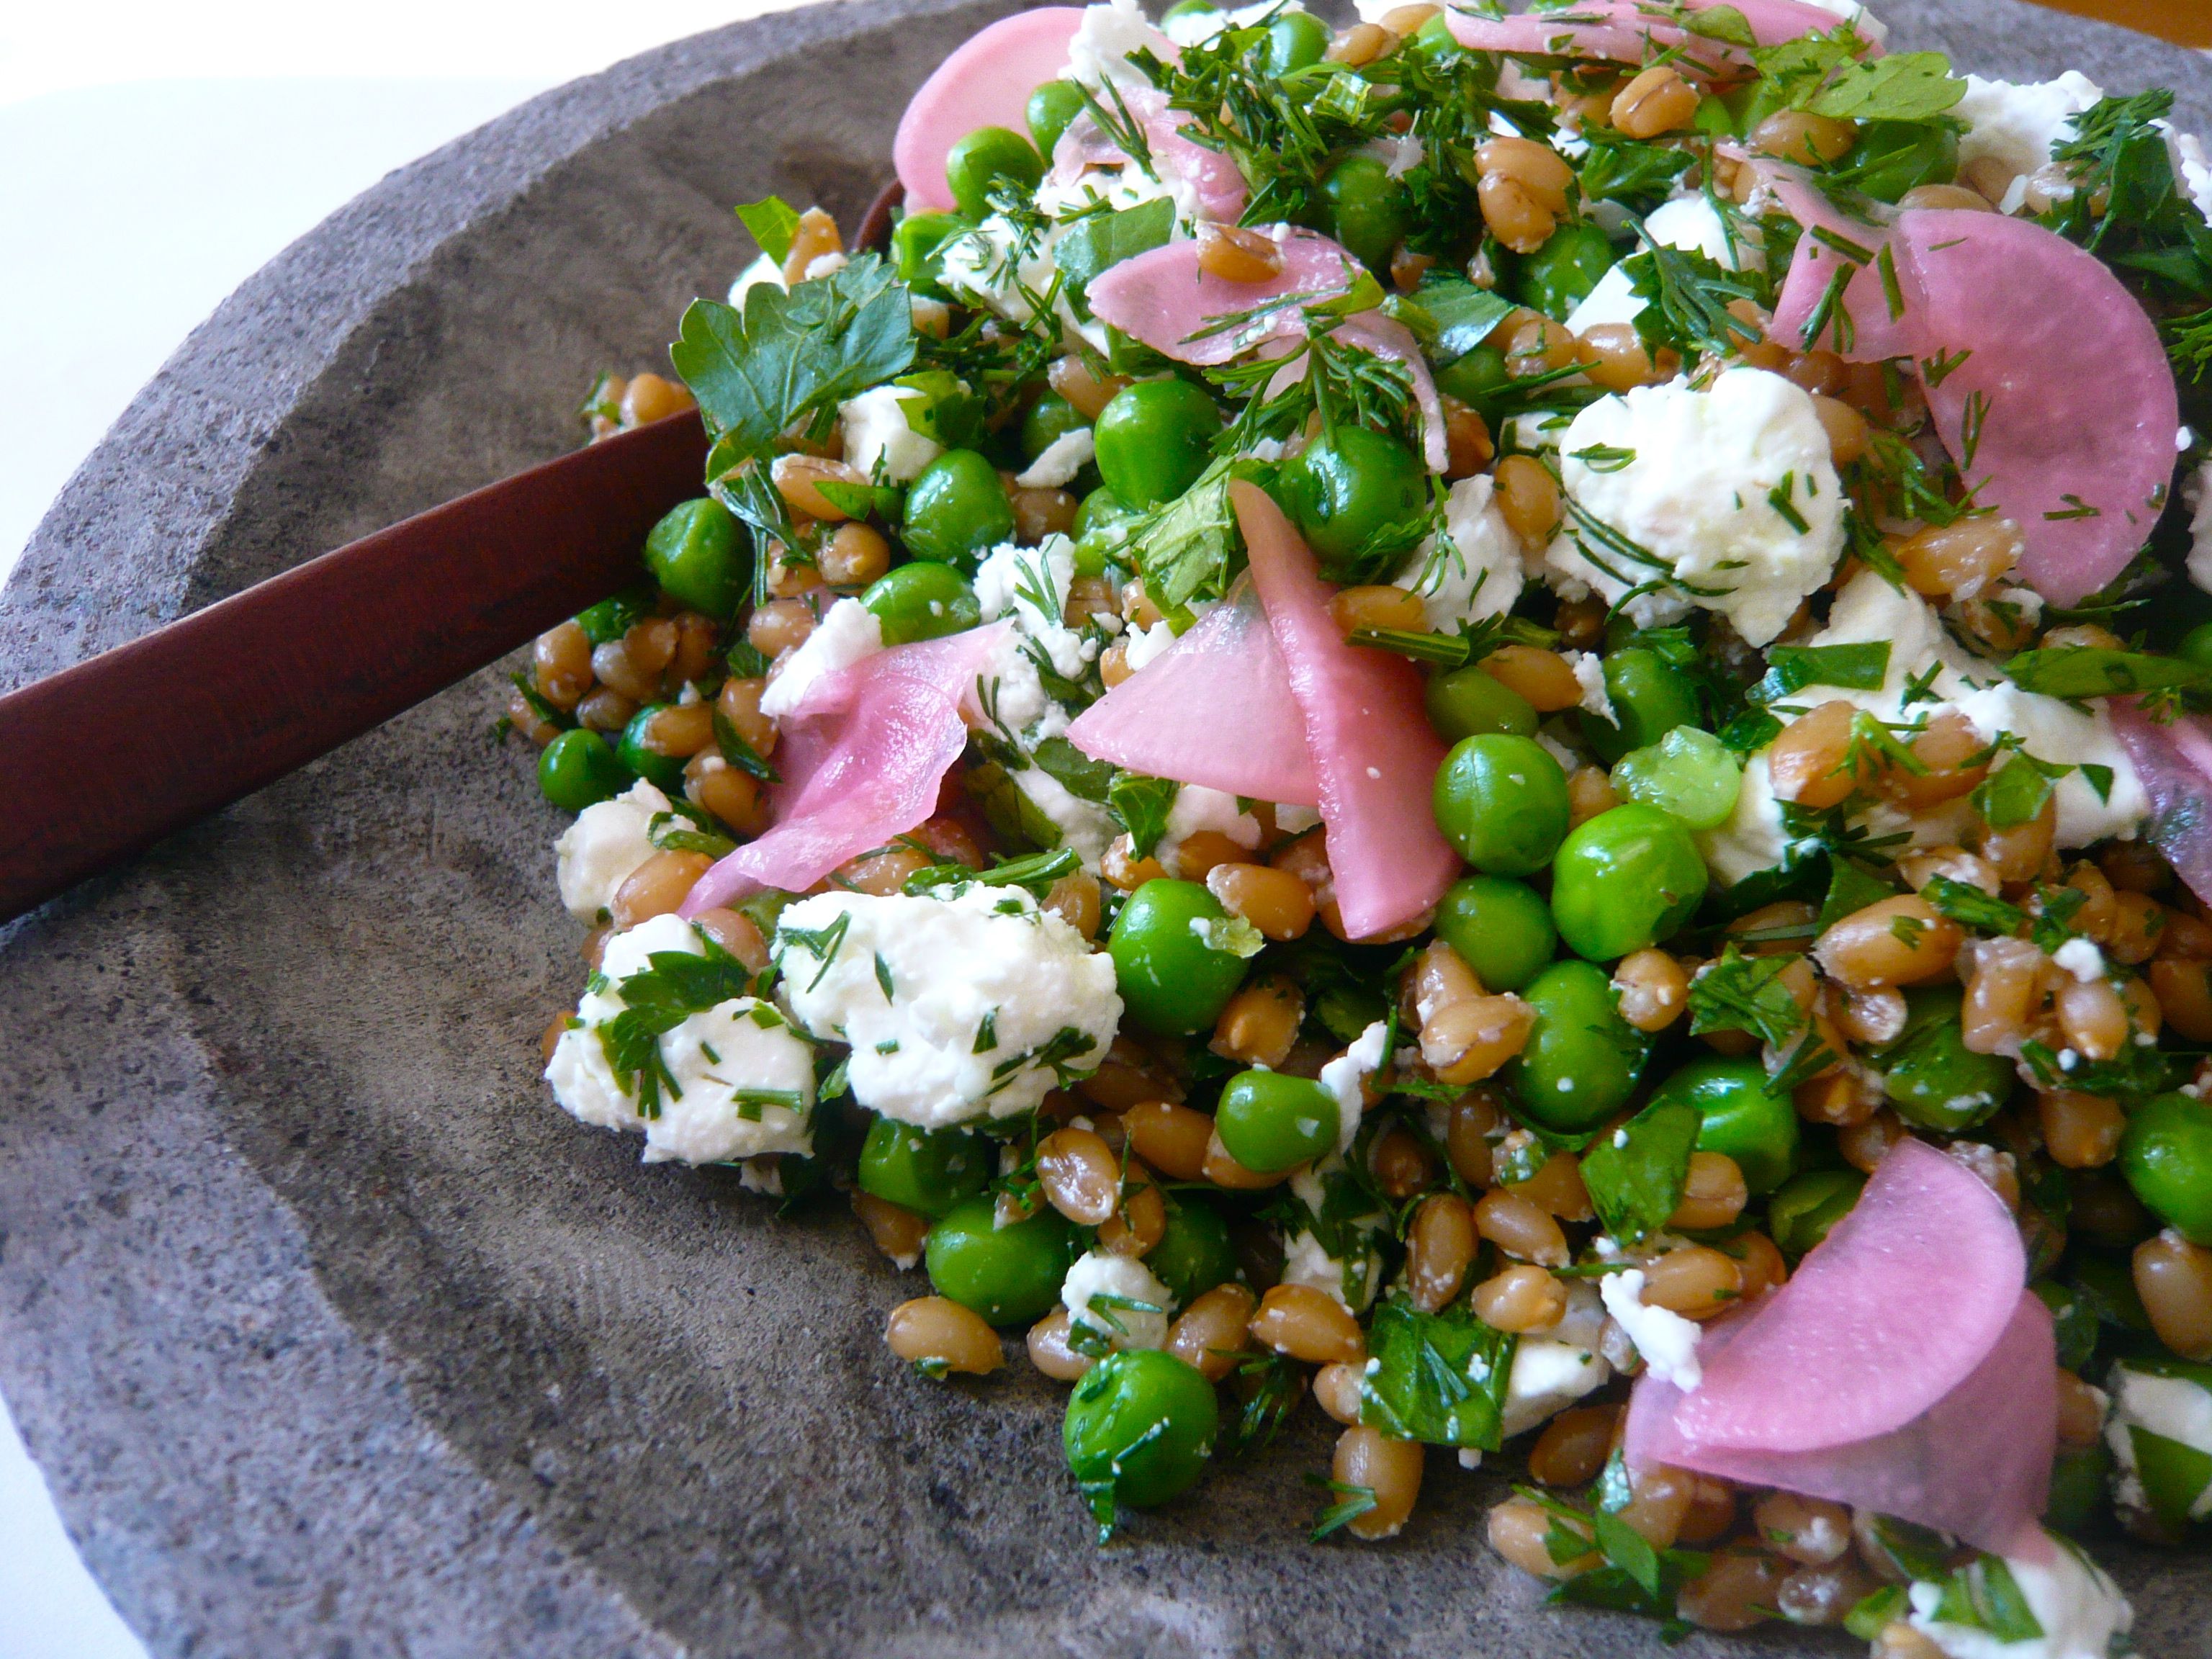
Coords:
pixel 773 221
pixel 1636 1174
pixel 1098 240
pixel 1142 805
pixel 1791 668
pixel 1747 993
pixel 1911 86
pixel 1436 1378
pixel 2089 671
pixel 791 356
pixel 1184 550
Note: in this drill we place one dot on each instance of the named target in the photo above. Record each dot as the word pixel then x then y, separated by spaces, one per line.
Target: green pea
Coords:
pixel 1367 210
pixel 1689 774
pixel 1189 9
pixel 1559 276
pixel 577 768
pixel 1502 801
pixel 1650 697
pixel 1435 42
pixel 1467 702
pixel 1581 1060
pixel 956 511
pixel 1296 40
pixel 1892 157
pixel 917 243
pixel 1194 1253
pixel 1051 418
pixel 1502 929
pixel 1800 1214
pixel 1052 107
pixel 1172 981
pixel 1101 508
pixel 698 554
pixel 1010 1275
pixel 2196 646
pixel 1271 1121
pixel 1154 439
pixel 2173 1476
pixel 1140 1426
pixel 1625 879
pixel 664 772
pixel 986 158
pixel 931 1171
pixel 1476 377
pixel 1738 1117
pixel 1102 529
pixel 2081 1481
pixel 2166 1156
pixel 922 599
pixel 610 619
pixel 1359 498
pixel 2073 1322
pixel 1930 1076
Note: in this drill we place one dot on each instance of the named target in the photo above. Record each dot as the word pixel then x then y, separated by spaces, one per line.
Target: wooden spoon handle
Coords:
pixel 105 759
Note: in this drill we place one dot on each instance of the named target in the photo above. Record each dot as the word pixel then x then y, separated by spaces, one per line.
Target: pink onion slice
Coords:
pixel 2068 385
pixel 1162 299
pixel 1215 708
pixel 2054 397
pixel 1374 754
pixel 1976 1463
pixel 1386 337
pixel 986 83
pixel 1217 189
pixel 1625 32
pixel 2175 764
pixel 1891 1311
pixel 863 758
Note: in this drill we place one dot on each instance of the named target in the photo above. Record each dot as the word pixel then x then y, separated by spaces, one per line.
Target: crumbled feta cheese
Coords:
pixel 1105 38
pixel 1698 481
pixel 739 1083
pixel 2018 123
pixel 1098 1286
pixel 601 849
pixel 1547 1378
pixel 2082 1611
pixel 821 265
pixel 878 442
pixel 762 270
pixel 1296 820
pixel 1473 569
pixel 1306 1261
pixel 850 633
pixel 2082 958
pixel 1668 1341
pixel 1869 610
pixel 1344 1076
pixel 966 1006
pixel 2172 1407
pixel 1198 808
pixel 1063 458
pixel 1146 644
pixel 1589 674
pixel 1692 223
pixel 2194 169
pixel 2200 527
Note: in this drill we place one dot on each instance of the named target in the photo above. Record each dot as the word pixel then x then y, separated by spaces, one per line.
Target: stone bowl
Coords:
pixel 332 1335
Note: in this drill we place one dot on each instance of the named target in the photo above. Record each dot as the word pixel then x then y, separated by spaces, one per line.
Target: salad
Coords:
pixel 1497 718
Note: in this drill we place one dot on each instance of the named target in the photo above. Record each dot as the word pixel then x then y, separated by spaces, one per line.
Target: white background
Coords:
pixel 153 155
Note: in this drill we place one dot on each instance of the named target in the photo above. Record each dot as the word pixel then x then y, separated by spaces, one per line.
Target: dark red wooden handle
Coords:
pixel 105 759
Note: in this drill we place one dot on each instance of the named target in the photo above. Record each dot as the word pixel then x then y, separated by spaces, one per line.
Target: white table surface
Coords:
pixel 127 128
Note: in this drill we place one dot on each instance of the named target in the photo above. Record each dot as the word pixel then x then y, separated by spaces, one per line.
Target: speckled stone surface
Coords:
pixel 332 1335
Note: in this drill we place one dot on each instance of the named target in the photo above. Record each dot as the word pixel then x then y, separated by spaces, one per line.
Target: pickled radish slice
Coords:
pixel 986 83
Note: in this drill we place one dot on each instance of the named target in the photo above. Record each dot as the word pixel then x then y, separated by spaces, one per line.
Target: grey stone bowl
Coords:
pixel 331 1335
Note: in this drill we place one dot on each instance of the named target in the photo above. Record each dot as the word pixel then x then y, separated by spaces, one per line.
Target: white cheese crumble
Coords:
pixel 1198 808
pixel 2018 123
pixel 1473 569
pixel 1692 223
pixel 879 440
pixel 1105 38
pixel 1306 1261
pixel 2194 169
pixel 1120 1279
pixel 849 633
pixel 1062 459
pixel 1589 674
pixel 1547 1378
pixel 1699 481
pixel 763 270
pixel 602 847
pixel 2083 1612
pixel 722 1062
pixel 968 1006
pixel 2200 527
pixel 2082 958
pixel 1344 1076
pixel 2172 1407
pixel 1668 1341
pixel 1146 644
